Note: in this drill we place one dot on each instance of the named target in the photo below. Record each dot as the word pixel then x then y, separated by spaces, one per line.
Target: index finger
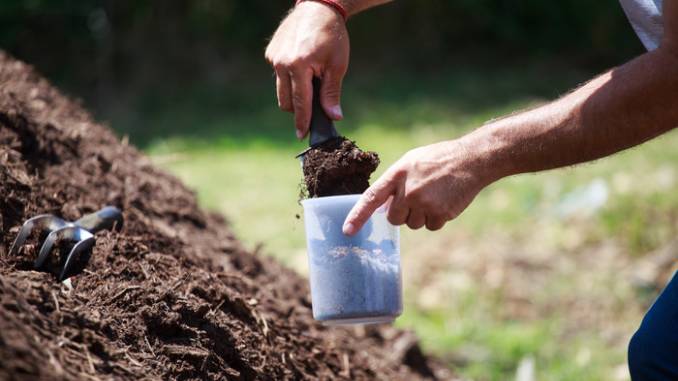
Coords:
pixel 302 95
pixel 372 198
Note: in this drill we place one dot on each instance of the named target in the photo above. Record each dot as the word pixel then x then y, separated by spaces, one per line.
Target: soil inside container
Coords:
pixel 338 167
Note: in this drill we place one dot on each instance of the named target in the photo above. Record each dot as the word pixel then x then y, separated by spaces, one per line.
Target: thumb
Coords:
pixel 330 94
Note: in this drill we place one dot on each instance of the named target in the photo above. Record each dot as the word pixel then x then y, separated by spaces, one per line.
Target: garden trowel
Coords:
pixel 322 127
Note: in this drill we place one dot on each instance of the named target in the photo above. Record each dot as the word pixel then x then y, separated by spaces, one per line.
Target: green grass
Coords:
pixel 464 285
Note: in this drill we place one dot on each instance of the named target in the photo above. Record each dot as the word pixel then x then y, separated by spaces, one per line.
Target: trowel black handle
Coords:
pixel 107 218
pixel 322 127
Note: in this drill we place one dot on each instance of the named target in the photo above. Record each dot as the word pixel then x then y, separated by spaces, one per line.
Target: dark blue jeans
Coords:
pixel 653 350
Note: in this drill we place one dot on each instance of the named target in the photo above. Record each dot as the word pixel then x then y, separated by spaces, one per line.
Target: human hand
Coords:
pixel 428 186
pixel 311 41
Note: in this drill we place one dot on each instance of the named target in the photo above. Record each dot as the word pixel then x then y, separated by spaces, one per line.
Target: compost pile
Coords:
pixel 338 167
pixel 173 295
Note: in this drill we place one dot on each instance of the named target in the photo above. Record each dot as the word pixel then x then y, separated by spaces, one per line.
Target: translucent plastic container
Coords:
pixel 354 280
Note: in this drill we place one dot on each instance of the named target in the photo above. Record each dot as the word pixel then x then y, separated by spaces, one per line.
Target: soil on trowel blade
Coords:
pixel 338 167
pixel 174 295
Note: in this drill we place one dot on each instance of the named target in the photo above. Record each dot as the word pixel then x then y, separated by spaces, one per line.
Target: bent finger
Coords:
pixel 416 219
pixel 398 211
pixel 435 223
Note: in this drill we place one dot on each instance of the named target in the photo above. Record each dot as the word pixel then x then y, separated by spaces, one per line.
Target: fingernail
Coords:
pixel 300 135
pixel 348 228
pixel 336 112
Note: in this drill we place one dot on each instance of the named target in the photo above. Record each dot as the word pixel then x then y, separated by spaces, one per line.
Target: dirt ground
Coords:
pixel 174 295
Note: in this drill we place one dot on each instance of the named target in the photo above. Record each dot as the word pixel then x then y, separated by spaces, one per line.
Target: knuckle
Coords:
pixel 332 92
pixel 288 63
pixel 295 64
pixel 299 101
pixel 370 196
pixel 299 60
pixel 399 172
pixel 303 57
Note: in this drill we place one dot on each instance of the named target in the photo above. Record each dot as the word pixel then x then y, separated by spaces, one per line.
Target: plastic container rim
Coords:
pixel 315 200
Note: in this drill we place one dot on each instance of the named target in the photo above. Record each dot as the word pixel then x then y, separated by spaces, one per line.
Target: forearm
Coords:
pixel 620 109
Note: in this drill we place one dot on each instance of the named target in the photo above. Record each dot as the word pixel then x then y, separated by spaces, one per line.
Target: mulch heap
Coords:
pixel 174 295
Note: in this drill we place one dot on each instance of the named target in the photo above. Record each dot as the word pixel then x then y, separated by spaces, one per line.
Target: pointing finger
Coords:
pixel 372 199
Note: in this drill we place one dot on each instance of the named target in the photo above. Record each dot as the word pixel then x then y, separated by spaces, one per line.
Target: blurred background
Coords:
pixel 545 274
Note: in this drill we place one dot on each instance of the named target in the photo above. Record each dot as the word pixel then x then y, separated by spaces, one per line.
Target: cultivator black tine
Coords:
pixel 43 221
pixel 77 258
pixel 73 233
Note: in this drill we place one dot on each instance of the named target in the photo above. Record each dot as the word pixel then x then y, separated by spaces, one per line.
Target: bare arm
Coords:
pixel 312 41
pixel 617 110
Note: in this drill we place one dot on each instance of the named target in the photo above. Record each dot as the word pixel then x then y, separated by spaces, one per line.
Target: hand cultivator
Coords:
pixel 80 233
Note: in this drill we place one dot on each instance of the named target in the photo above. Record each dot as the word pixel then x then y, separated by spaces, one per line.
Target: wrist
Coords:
pixel 336 5
pixel 487 156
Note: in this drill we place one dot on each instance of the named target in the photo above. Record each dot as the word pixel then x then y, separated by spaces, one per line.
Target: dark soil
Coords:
pixel 173 295
pixel 338 167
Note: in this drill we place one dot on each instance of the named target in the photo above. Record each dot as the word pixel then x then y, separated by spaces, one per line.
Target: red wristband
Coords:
pixel 334 4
